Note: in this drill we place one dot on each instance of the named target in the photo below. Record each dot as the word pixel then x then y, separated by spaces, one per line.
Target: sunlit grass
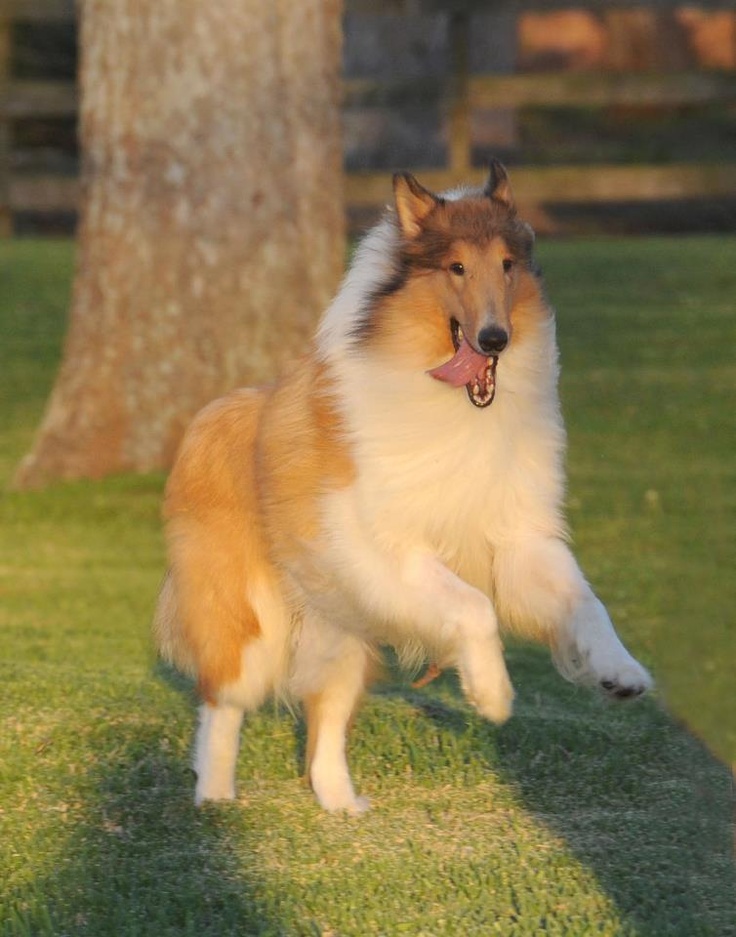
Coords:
pixel 577 817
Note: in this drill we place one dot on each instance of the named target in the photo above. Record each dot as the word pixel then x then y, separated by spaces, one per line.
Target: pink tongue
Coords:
pixel 465 365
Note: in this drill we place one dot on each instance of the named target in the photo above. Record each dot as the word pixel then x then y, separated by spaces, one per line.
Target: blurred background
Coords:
pixel 616 117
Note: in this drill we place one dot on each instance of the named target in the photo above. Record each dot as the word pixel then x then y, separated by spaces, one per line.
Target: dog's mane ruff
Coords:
pixel 374 265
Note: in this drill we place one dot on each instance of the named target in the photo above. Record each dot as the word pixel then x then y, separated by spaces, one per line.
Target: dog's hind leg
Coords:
pixel 220 717
pixel 216 751
pixel 332 668
pixel 263 663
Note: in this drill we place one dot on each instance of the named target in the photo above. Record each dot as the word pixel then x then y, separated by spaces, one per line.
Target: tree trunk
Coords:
pixel 211 233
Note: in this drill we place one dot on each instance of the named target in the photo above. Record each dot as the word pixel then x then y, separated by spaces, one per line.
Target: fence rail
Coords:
pixel 558 89
pixel 20 100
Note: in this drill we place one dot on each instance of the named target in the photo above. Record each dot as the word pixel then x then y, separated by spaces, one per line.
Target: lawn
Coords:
pixel 577 817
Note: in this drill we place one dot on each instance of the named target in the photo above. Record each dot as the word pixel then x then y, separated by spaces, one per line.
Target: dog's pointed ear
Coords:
pixel 413 203
pixel 498 186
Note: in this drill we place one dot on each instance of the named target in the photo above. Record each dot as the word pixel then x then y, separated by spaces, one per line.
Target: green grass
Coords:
pixel 575 818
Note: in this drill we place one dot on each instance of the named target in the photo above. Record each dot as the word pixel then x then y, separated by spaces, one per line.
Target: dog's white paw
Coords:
pixel 341 802
pixel 590 653
pixel 336 795
pixel 495 703
pixel 213 792
pixel 358 806
pixel 617 673
pixel 486 684
pixel 625 682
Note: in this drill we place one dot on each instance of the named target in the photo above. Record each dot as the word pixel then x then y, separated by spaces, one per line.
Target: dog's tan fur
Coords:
pixel 358 501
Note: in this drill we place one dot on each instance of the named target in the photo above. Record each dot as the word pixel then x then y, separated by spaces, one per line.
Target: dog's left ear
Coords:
pixel 498 186
pixel 413 203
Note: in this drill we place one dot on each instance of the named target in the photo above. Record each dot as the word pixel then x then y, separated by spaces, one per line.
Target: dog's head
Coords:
pixel 469 259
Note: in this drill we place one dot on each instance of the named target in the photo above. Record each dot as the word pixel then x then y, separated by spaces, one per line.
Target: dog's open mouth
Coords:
pixel 468 368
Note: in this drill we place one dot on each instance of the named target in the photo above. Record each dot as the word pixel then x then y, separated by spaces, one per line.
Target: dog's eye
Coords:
pixel 457 269
pixel 508 265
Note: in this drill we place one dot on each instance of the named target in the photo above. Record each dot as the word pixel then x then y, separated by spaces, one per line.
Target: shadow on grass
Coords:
pixel 142 860
pixel 637 799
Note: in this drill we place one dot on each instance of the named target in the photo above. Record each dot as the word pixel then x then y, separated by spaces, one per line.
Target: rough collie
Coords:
pixel 399 485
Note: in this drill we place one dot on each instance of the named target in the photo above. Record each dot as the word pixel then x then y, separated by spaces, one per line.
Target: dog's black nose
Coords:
pixel 492 339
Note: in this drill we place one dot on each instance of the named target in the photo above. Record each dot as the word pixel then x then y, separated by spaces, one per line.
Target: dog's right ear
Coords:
pixel 413 203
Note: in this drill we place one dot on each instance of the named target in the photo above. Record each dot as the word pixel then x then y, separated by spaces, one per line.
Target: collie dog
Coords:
pixel 399 485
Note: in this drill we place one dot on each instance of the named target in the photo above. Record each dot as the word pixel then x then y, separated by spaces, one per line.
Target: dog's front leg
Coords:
pixel 542 593
pixel 404 595
pixel 458 620
pixel 330 671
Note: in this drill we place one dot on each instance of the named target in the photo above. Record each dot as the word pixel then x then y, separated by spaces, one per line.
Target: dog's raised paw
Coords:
pixel 624 691
pixel 496 705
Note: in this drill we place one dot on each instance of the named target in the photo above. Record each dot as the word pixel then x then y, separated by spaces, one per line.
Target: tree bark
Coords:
pixel 211 231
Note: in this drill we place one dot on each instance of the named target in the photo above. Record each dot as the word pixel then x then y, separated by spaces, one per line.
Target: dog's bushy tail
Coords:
pixel 167 631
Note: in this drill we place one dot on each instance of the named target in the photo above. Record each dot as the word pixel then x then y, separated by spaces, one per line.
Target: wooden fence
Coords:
pixel 536 186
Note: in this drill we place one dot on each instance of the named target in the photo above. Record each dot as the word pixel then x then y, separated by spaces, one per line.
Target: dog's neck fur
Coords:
pixel 428 461
pixel 373 265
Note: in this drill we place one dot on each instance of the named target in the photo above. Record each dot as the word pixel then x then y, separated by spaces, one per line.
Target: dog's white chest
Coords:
pixel 435 473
